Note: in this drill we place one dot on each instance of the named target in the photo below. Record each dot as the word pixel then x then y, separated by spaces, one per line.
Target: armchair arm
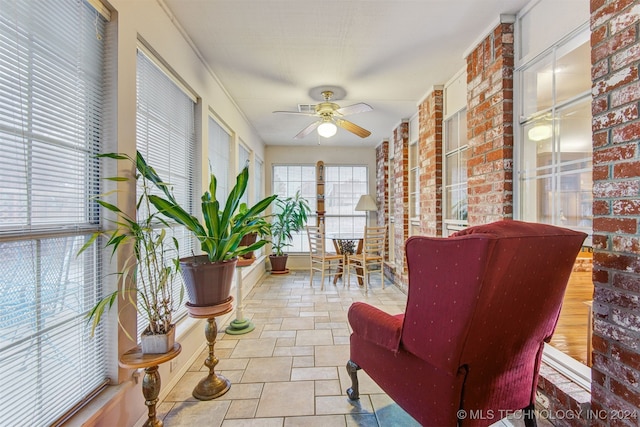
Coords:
pixel 376 326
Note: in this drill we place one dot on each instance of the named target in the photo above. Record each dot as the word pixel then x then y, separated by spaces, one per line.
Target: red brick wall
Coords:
pixel 382 186
pixel 615 59
pixel 401 194
pixel 430 149
pixel 490 127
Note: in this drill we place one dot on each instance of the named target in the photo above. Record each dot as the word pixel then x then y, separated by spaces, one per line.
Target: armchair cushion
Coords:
pixel 376 326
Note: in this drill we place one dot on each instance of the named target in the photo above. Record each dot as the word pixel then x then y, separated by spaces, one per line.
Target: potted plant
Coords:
pixel 148 276
pixel 290 216
pixel 208 277
pixel 263 230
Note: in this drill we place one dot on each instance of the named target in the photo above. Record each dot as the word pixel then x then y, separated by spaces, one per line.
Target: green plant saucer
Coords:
pixel 239 327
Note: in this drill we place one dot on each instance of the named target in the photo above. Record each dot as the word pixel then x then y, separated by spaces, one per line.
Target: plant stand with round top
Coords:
pixel 214 385
pixel 135 359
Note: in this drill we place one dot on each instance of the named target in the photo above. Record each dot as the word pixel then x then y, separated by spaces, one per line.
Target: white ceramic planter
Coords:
pixel 157 344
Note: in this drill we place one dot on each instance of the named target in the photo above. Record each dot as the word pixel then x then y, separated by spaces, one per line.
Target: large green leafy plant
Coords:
pixel 148 277
pixel 290 217
pixel 221 230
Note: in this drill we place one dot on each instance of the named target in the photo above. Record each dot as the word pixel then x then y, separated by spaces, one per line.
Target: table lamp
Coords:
pixel 366 203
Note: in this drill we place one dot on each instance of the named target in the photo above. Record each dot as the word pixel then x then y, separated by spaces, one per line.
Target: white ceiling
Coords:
pixel 268 54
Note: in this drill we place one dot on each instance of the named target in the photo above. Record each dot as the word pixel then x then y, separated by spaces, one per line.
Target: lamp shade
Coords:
pixel 366 203
pixel 327 129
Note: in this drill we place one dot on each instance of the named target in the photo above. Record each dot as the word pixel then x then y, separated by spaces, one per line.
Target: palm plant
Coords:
pixel 222 230
pixel 148 277
pixel 290 217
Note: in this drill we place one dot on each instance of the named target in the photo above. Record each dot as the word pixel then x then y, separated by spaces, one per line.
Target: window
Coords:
pixel 289 179
pixel 165 136
pixel 220 158
pixel 414 177
pixel 555 168
pixel 343 187
pixel 243 159
pixel 554 173
pixel 258 187
pixel 455 172
pixel 52 101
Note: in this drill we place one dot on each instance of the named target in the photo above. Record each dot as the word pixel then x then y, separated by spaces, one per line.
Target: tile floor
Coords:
pixel 290 371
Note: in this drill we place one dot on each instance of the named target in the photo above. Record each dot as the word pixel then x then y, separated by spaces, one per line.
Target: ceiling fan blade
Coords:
pixel 353 128
pixel 297 113
pixel 360 107
pixel 306 131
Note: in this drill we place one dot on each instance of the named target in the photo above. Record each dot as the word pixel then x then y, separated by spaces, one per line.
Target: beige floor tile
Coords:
pixel 314 337
pixel 326 405
pixel 261 347
pixel 286 399
pixel 242 408
pixel 243 391
pixel 294 324
pixel 232 364
pixel 265 369
pixel 299 350
pixel 328 388
pixel 182 391
pixel 303 361
pixel 324 373
pixel 331 355
pixel 255 422
pixel 317 421
pixel 188 414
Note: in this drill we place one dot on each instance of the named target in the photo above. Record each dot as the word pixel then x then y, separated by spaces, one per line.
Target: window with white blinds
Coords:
pixel 243 159
pixel 287 181
pixel 258 187
pixel 343 186
pixel 165 136
pixel 52 85
pixel 220 158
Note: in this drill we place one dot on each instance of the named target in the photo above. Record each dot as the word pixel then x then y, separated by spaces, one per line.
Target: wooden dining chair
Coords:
pixel 320 259
pixel 372 254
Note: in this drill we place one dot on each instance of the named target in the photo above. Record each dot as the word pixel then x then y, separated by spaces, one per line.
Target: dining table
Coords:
pixel 346 244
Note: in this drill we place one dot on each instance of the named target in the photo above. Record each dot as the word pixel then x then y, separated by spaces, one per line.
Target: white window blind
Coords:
pixel 52 84
pixel 258 187
pixel 343 186
pixel 165 136
pixel 243 159
pixel 220 158
pixel 289 179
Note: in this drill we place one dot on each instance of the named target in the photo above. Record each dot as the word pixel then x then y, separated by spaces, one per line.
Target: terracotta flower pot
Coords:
pixel 207 283
pixel 248 239
pixel 278 263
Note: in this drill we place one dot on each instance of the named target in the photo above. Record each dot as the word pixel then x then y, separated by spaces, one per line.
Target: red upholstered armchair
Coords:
pixel 480 306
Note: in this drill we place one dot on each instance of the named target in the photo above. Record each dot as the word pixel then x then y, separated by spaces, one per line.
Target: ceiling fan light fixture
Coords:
pixel 540 133
pixel 327 129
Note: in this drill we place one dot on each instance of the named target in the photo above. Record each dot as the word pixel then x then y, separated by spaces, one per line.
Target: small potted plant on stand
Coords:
pixel 208 277
pixel 148 277
pixel 263 230
pixel 290 217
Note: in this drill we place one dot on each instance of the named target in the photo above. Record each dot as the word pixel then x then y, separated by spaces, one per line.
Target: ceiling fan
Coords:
pixel 330 115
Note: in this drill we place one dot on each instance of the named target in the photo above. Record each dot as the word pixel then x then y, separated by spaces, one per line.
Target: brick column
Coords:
pixel 382 187
pixel 430 148
pixel 490 127
pixel 615 56
pixel 401 195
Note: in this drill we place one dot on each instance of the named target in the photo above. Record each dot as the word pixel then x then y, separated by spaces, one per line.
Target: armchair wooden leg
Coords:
pixel 354 391
pixel 529 415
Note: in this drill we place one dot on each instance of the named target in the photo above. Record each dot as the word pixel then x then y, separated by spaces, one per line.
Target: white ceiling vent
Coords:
pixel 306 108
